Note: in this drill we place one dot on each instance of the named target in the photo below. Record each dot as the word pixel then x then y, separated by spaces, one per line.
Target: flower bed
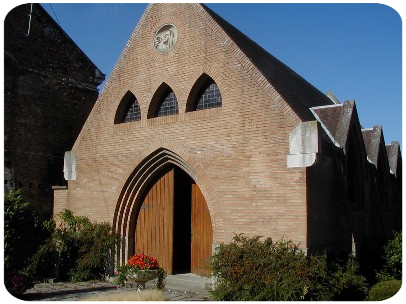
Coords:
pixel 18 284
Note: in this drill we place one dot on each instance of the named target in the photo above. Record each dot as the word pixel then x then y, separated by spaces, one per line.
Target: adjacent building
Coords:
pixel 49 90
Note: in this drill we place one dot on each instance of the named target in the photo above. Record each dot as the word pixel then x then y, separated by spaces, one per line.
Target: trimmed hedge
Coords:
pixel 384 290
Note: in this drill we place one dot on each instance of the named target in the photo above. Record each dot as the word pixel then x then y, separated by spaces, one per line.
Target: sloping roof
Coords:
pixel 349 117
pixel 298 93
pixel 373 139
pixel 394 157
pixel 42 48
pixel 329 116
pixel 338 120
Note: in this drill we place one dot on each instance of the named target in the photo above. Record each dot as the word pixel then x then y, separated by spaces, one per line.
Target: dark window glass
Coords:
pixel 211 97
pixel 169 106
pixel 133 113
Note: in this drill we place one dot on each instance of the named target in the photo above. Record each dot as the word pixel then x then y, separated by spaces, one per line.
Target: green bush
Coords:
pixel 346 281
pixel 248 269
pixel 78 250
pixel 95 252
pixel 15 211
pixel 23 232
pixel 384 290
pixel 335 280
pixel 392 268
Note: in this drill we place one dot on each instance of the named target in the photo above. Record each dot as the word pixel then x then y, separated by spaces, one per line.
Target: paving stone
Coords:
pixel 63 291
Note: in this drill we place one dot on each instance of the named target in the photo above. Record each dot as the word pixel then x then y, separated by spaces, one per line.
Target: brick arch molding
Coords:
pixel 169 80
pixel 147 166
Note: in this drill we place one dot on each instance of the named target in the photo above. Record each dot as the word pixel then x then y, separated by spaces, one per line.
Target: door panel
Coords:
pixel 154 230
pixel 202 234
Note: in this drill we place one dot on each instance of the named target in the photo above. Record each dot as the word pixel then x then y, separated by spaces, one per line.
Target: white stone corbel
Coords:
pixel 69 166
pixel 303 145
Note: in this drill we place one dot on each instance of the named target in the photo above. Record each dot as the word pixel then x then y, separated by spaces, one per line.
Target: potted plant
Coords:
pixel 140 269
pixel 14 285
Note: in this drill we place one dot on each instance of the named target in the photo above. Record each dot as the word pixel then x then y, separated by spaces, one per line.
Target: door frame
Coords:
pixel 134 183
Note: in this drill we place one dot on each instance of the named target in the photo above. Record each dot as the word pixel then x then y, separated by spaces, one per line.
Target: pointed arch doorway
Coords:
pixel 173 223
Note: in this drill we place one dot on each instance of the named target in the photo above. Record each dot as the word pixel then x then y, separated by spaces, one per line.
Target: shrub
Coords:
pixel 392 268
pixel 96 244
pixel 346 282
pixel 250 270
pixel 78 249
pixel 23 232
pixel 14 212
pixel 384 290
pixel 334 280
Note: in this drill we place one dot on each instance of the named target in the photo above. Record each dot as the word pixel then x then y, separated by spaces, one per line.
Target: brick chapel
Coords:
pixel 201 134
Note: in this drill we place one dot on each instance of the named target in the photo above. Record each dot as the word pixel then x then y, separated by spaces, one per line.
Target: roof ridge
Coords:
pixel 297 91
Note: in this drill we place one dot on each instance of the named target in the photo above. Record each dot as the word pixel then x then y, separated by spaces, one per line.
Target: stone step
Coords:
pixel 189 281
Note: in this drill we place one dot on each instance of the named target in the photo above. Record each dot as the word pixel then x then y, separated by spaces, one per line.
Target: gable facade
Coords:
pixel 251 158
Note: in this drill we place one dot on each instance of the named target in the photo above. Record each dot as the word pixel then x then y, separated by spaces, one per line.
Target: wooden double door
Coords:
pixel 174 224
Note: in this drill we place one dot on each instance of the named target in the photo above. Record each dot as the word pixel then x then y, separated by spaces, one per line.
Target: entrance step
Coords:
pixel 188 281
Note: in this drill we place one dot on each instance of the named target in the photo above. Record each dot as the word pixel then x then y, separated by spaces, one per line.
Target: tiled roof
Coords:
pixel 373 139
pixel 338 120
pixel 394 157
pixel 298 93
pixel 330 117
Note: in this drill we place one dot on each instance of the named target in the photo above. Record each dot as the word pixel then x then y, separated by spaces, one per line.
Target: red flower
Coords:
pixel 18 284
pixel 142 261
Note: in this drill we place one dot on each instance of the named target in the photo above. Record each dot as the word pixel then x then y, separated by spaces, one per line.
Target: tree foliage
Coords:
pixel 392 268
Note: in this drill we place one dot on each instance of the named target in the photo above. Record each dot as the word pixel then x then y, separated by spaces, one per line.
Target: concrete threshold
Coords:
pixel 188 281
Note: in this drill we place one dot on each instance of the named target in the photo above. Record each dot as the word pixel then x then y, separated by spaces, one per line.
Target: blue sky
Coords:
pixel 354 50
